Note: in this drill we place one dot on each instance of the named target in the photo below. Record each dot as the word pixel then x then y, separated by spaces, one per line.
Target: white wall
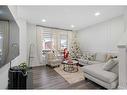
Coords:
pixel 102 37
pixel 32 39
pixel 22 36
pixel 23 49
pixel 123 40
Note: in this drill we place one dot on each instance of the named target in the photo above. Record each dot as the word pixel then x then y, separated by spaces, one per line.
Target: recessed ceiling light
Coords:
pixel 97 13
pixel 43 20
pixel 72 26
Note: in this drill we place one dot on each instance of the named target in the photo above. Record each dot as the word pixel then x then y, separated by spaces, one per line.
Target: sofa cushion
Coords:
pixel 97 71
pixel 101 57
pixel 109 65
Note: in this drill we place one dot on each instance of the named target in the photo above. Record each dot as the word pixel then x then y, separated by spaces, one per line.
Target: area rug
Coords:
pixel 71 78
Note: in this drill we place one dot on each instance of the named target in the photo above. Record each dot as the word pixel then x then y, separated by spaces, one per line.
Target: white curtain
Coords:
pixel 39 30
pixel 56 39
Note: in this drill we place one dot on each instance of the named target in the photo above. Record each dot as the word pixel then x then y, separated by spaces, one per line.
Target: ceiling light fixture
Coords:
pixel 1 37
pixel 97 13
pixel 43 20
pixel 72 26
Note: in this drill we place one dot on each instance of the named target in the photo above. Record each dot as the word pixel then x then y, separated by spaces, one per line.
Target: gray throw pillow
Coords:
pixel 109 65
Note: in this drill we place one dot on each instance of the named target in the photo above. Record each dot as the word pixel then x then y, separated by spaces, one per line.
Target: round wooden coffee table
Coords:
pixel 70 67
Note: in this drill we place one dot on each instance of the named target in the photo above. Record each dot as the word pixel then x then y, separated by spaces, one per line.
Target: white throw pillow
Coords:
pixel 100 57
pixel 85 56
pixel 109 65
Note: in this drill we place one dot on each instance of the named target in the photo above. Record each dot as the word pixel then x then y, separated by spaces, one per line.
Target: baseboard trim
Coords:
pixel 37 66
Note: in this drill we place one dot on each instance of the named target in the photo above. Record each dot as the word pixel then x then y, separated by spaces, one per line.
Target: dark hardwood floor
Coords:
pixel 47 78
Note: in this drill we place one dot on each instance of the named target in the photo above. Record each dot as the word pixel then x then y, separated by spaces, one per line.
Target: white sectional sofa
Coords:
pixel 94 70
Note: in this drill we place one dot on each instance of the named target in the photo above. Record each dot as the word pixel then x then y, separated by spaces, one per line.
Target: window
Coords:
pixel 47 40
pixel 53 38
pixel 63 41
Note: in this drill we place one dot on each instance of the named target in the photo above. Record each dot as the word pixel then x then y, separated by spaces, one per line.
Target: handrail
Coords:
pixel 30 50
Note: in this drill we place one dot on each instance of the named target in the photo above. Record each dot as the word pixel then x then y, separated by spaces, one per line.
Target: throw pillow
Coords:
pixel 109 65
pixel 116 60
pixel 85 56
pixel 92 57
pixel 108 57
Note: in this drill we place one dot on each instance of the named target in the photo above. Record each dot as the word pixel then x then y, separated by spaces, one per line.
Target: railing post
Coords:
pixel 122 66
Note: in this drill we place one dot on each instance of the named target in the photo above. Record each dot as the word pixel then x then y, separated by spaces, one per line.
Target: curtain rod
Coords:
pixel 53 28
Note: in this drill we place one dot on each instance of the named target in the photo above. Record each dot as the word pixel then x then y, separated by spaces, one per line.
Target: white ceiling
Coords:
pixel 64 16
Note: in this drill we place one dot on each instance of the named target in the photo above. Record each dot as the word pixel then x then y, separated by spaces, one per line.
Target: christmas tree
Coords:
pixel 75 51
